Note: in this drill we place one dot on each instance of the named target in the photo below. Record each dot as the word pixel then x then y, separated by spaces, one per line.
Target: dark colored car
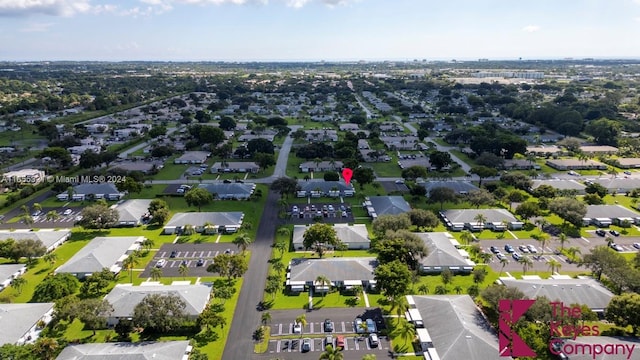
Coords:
pixel 306 345
pixel 601 232
pixel 173 254
pixel 328 325
pixel 614 233
pixel 508 248
pixel 200 262
pixel 494 249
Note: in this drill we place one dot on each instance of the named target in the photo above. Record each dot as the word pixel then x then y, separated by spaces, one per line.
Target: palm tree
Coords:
pixel 242 241
pixel 129 263
pixel 563 239
pixel 183 270
pixel 188 229
pixel 527 263
pixel 486 257
pixel 503 262
pixel 554 265
pixel 331 353
pixel 52 215
pixel 281 246
pixel 156 273
pixel 265 318
pixel 609 240
pixel 405 330
pixel 400 304
pixel 423 289
pixel 27 219
pixel 457 289
pixel 208 227
pixel 302 320
pixel 480 219
pixel 466 236
pixel 284 231
pixel 36 207
pixel 542 239
pixel 279 267
pixel 441 290
pixel 18 283
pixel 46 348
pixel 50 257
pixel 322 281
pixel 573 252
pixel 25 209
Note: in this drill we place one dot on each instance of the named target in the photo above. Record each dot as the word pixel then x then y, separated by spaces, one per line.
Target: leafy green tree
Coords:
pixel 414 172
pixel 423 218
pixel 242 241
pixel 211 317
pixel 98 216
pixel 483 172
pixel 198 197
pixel 18 284
pixel 319 237
pixel 384 223
pixel 129 185
pixel 569 209
pixel 447 276
pixel 264 160
pixel 604 131
pixel 440 159
pixel 527 210
pixel 442 195
pixel 363 175
pixel 93 313
pixel 161 313
pixel 285 186
pixel 96 284
pixel 29 248
pixel 480 197
pixel 393 278
pixel 55 287
pixel 479 274
pixel 228 265
pixel 624 310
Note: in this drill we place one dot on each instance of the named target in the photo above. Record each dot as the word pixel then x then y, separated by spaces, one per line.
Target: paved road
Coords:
pixel 246 318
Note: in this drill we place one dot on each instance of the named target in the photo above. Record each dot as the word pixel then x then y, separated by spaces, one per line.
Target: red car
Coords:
pixel 340 342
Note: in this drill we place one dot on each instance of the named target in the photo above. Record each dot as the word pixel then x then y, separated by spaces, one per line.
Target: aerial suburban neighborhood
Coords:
pixel 347 210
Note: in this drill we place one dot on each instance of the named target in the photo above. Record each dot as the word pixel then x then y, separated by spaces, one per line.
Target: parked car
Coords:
pixel 601 232
pixel 500 256
pixel 532 249
pixel 161 263
pixel 399 182
pixel 357 324
pixel 328 325
pixel 340 342
pixel 508 248
pixel 200 262
pixel 516 256
pixel 523 249
pixel 636 245
pixel 173 254
pixel 373 340
pixel 328 341
pixel 297 328
pixel 371 326
pixel 494 249
pixel 616 247
pixel 294 209
pixel 306 345
pixel 614 233
pixel 67 212
pixel 627 172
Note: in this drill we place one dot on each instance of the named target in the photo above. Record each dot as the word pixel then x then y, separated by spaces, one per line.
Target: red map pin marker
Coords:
pixel 347 174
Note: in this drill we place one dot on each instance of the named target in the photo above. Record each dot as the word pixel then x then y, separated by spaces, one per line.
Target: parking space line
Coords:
pixel 279 329
pixel 357 344
pixel 278 346
pixel 310 328
pixel 344 329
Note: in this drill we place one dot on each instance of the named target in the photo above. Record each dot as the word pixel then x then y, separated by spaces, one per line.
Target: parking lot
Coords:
pixel 190 254
pixel 335 212
pixel 66 217
pixel 342 321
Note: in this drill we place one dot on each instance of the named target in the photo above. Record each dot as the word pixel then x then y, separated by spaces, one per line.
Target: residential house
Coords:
pixel 312 166
pixel 453 329
pixel 133 212
pixel 232 191
pixel 50 238
pixel 576 164
pixel 101 253
pixel 562 185
pixel 480 219
pixel 81 149
pixel 192 157
pixel 320 188
pixel 598 149
pixel 606 215
pixel 321 135
pixel 342 272
pixel 107 191
pixel 627 163
pixel 205 222
pixel 460 187
pixel 618 185
pixel 355 237
pixel 22 323
pixel 444 252
pixel 145 350
pixel 125 297
pixel 24 177
pixel 235 167
pixel 9 272
pixel 385 205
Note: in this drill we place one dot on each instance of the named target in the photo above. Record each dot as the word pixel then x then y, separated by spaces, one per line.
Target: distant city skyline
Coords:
pixel 314 30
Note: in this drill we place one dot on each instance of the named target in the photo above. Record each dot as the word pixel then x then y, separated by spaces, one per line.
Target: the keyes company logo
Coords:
pixel 511 344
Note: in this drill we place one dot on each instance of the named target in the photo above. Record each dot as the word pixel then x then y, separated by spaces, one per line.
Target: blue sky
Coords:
pixel 311 30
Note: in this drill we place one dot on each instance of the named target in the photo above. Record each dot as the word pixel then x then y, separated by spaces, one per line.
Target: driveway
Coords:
pixel 175 254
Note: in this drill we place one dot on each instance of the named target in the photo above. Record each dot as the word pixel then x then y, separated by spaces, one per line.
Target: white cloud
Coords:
pixel 37 27
pixel 531 28
pixel 47 7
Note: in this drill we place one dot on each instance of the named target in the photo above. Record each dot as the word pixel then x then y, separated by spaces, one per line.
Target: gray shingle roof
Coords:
pixel 7 270
pixel 161 350
pixel 346 233
pixel 560 184
pixel 47 236
pixel 457 186
pixel 234 189
pixel 442 252
pixel 603 340
pixel 102 188
pixel 569 291
pixel 389 205
pixel 200 218
pixel 193 156
pixel 125 297
pixel 336 269
pixel 132 210
pixel 610 211
pixel 17 319
pixel 468 215
pixel 324 186
pixel 99 253
pixel 457 328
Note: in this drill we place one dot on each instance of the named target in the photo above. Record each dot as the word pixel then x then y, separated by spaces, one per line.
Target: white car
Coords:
pixel 161 263
pixel 399 182
pixel 67 212
pixel 297 328
pixel 532 249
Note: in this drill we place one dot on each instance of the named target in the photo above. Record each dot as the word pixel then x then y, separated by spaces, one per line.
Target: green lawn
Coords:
pixel 172 171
